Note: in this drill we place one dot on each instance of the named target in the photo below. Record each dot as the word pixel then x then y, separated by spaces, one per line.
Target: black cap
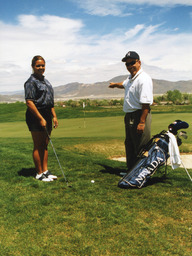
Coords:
pixel 132 55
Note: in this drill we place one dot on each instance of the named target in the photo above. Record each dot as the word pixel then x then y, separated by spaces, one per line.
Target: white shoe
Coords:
pixel 43 177
pixel 49 175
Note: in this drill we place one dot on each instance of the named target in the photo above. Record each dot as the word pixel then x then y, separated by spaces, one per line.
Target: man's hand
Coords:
pixel 112 85
pixel 140 128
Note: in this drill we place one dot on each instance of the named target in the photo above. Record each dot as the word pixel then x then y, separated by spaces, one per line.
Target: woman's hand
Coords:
pixel 55 122
pixel 43 122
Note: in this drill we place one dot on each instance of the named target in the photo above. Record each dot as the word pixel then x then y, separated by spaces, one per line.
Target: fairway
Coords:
pixel 94 127
pixel 111 127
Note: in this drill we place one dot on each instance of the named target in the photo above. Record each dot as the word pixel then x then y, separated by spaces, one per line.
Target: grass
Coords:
pixel 16 111
pixel 100 127
pixel 89 218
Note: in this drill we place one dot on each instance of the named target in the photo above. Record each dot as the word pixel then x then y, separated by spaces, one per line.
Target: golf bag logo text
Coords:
pixel 149 169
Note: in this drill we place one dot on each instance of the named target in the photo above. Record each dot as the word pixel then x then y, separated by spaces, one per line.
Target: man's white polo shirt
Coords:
pixel 138 91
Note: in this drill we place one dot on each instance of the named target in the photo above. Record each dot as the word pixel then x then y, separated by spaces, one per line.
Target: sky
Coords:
pixel 84 40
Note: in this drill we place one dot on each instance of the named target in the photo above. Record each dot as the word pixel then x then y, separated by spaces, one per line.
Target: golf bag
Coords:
pixel 152 156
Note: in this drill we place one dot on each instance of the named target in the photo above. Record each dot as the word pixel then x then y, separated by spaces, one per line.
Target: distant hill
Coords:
pixel 12 97
pixel 100 90
pixel 162 86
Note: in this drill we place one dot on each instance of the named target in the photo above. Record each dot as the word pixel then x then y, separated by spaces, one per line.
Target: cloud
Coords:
pixel 103 8
pixel 164 50
pixel 51 36
pixel 51 25
pixel 74 56
pixel 134 31
pixel 119 7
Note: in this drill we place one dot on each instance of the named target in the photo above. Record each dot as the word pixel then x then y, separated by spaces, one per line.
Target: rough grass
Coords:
pixel 105 147
pixel 89 218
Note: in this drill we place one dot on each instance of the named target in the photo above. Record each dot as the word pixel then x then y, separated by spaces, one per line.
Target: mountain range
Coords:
pixel 100 90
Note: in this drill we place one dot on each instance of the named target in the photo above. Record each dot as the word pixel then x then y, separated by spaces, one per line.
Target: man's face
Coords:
pixel 133 66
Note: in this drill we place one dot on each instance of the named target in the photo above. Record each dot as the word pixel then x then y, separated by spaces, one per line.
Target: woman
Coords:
pixel 39 116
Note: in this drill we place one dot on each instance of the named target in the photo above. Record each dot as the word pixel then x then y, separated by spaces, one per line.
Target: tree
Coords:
pixel 174 96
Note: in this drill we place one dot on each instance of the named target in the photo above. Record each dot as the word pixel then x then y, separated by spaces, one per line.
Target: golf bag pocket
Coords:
pixel 144 168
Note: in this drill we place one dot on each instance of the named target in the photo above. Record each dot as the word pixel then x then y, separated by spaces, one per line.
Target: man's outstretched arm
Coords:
pixel 116 85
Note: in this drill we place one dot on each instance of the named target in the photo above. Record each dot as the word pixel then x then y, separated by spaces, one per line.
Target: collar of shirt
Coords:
pixel 136 75
pixel 38 78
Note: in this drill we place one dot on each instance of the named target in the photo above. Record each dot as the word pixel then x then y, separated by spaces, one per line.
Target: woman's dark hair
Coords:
pixel 35 58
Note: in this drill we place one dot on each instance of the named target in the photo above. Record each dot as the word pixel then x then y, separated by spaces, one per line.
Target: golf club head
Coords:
pixel 183 135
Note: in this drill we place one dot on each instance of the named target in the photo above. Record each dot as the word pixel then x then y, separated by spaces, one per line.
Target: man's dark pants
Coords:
pixel 133 140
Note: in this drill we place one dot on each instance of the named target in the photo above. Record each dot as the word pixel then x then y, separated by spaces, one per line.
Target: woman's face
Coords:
pixel 39 68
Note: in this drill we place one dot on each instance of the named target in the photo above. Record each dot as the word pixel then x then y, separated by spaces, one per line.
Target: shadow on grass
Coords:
pixel 155 180
pixel 112 170
pixel 27 172
pixel 116 171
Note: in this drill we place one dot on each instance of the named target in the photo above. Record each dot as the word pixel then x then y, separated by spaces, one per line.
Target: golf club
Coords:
pixel 187 172
pixel 57 159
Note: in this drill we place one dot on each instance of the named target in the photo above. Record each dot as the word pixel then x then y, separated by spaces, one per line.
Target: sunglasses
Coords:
pixel 127 64
pixel 38 66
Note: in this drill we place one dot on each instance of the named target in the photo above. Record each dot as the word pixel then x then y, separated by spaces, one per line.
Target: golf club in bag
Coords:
pixel 155 154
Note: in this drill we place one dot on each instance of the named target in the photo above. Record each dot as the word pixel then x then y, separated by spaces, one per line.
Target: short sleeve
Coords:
pixel 146 90
pixel 30 91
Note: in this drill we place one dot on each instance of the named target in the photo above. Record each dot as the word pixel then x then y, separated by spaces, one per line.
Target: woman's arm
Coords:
pixel 35 112
pixel 55 121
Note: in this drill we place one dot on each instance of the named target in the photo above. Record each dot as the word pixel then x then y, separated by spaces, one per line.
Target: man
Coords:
pixel 138 98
